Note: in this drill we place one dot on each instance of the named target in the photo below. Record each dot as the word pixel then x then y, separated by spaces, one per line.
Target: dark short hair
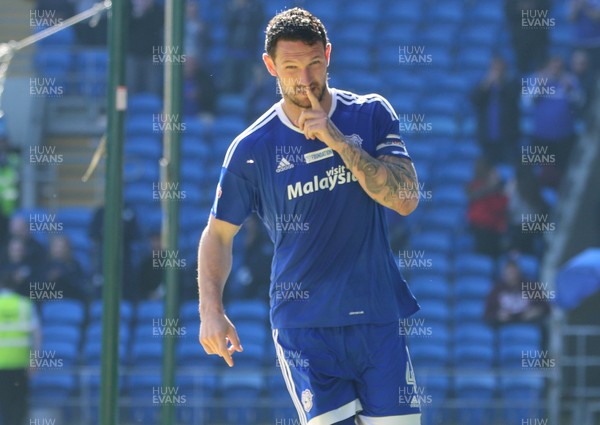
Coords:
pixel 294 25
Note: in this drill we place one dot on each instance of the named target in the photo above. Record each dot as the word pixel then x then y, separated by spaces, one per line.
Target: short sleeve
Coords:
pixel 235 198
pixel 387 130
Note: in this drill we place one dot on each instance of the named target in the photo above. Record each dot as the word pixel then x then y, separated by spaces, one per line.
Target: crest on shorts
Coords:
pixel 354 139
pixel 307 402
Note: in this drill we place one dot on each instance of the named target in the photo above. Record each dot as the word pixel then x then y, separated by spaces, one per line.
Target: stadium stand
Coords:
pixel 460 38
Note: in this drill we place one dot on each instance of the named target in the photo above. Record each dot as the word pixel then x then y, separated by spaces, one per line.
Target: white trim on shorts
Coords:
pixel 413 419
pixel 287 377
pixel 348 410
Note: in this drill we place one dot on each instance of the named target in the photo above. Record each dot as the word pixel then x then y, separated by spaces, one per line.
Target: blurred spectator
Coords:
pixel 261 93
pixel 496 100
pixel 244 21
pixel 512 301
pixel 151 276
pixel 64 270
pixel 586 16
pixel 9 185
pixel 147 52
pixel 130 234
pixel 94 31
pixel 586 77
pixel 525 199
pixel 19 270
pixel 19 336
pixel 19 228
pixel 197 32
pixel 199 94
pixel 487 209
pixel 529 32
pixel 557 98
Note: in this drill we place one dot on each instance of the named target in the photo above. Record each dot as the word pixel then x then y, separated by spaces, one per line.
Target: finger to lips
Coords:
pixel 314 102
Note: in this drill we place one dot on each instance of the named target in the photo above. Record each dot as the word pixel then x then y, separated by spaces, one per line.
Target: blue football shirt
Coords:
pixel 332 263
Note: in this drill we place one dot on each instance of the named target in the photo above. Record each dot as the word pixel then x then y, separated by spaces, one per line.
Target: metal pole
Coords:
pixel 113 234
pixel 174 23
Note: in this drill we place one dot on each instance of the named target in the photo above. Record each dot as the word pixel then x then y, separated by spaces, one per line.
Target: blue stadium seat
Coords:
pixel 144 103
pixel 65 311
pixel 434 311
pixel 446 105
pixel 243 392
pixel 280 401
pixel 141 126
pixel 522 396
pixel 457 173
pixel 452 11
pixel 436 389
pixel 194 149
pixel 410 11
pixel 72 217
pixel 444 217
pixel 189 312
pixel 515 356
pixel 147 353
pixel 442 58
pixel 474 265
pixel 356 12
pixel 93 71
pixel 248 310
pixel 142 388
pixel 442 125
pixel 358 35
pixel 467 149
pixel 61 333
pixel 251 330
pixel 517 334
pixel 228 126
pixel 475 393
pixel 402 81
pixel 428 354
pixel 486 12
pixel 480 35
pixel 203 391
pixel 395 34
pixel 235 104
pixel 465 243
pixel 451 83
pixel 432 242
pixel 469 311
pixel 146 311
pixel 474 58
pixel 143 147
pixel 125 308
pixel 52 388
pixel 431 287
pixel 357 59
pixel 92 353
pixel 472 287
pixel 93 331
pixel 437 34
pixel 450 195
pixel 474 333
pixel 473 355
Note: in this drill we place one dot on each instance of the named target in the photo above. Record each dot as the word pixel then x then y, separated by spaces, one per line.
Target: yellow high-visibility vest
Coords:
pixel 16 327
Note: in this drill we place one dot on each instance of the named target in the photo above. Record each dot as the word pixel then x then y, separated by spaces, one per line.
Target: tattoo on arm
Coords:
pixel 389 180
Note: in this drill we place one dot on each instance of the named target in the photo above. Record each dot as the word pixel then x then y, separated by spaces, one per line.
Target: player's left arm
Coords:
pixel 389 180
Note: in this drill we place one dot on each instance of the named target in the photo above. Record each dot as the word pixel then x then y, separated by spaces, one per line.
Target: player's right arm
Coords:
pixel 214 266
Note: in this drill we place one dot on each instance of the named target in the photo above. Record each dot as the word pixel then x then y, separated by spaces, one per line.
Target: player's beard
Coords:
pixel 295 94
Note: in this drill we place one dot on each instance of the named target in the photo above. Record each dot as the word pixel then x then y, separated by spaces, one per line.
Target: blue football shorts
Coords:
pixel 335 373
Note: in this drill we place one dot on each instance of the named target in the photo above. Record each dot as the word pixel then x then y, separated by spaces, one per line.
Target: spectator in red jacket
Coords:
pixel 487 209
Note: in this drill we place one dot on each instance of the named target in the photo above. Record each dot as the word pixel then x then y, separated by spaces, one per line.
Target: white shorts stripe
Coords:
pixel 287 377
pixel 348 410
pixel 414 419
